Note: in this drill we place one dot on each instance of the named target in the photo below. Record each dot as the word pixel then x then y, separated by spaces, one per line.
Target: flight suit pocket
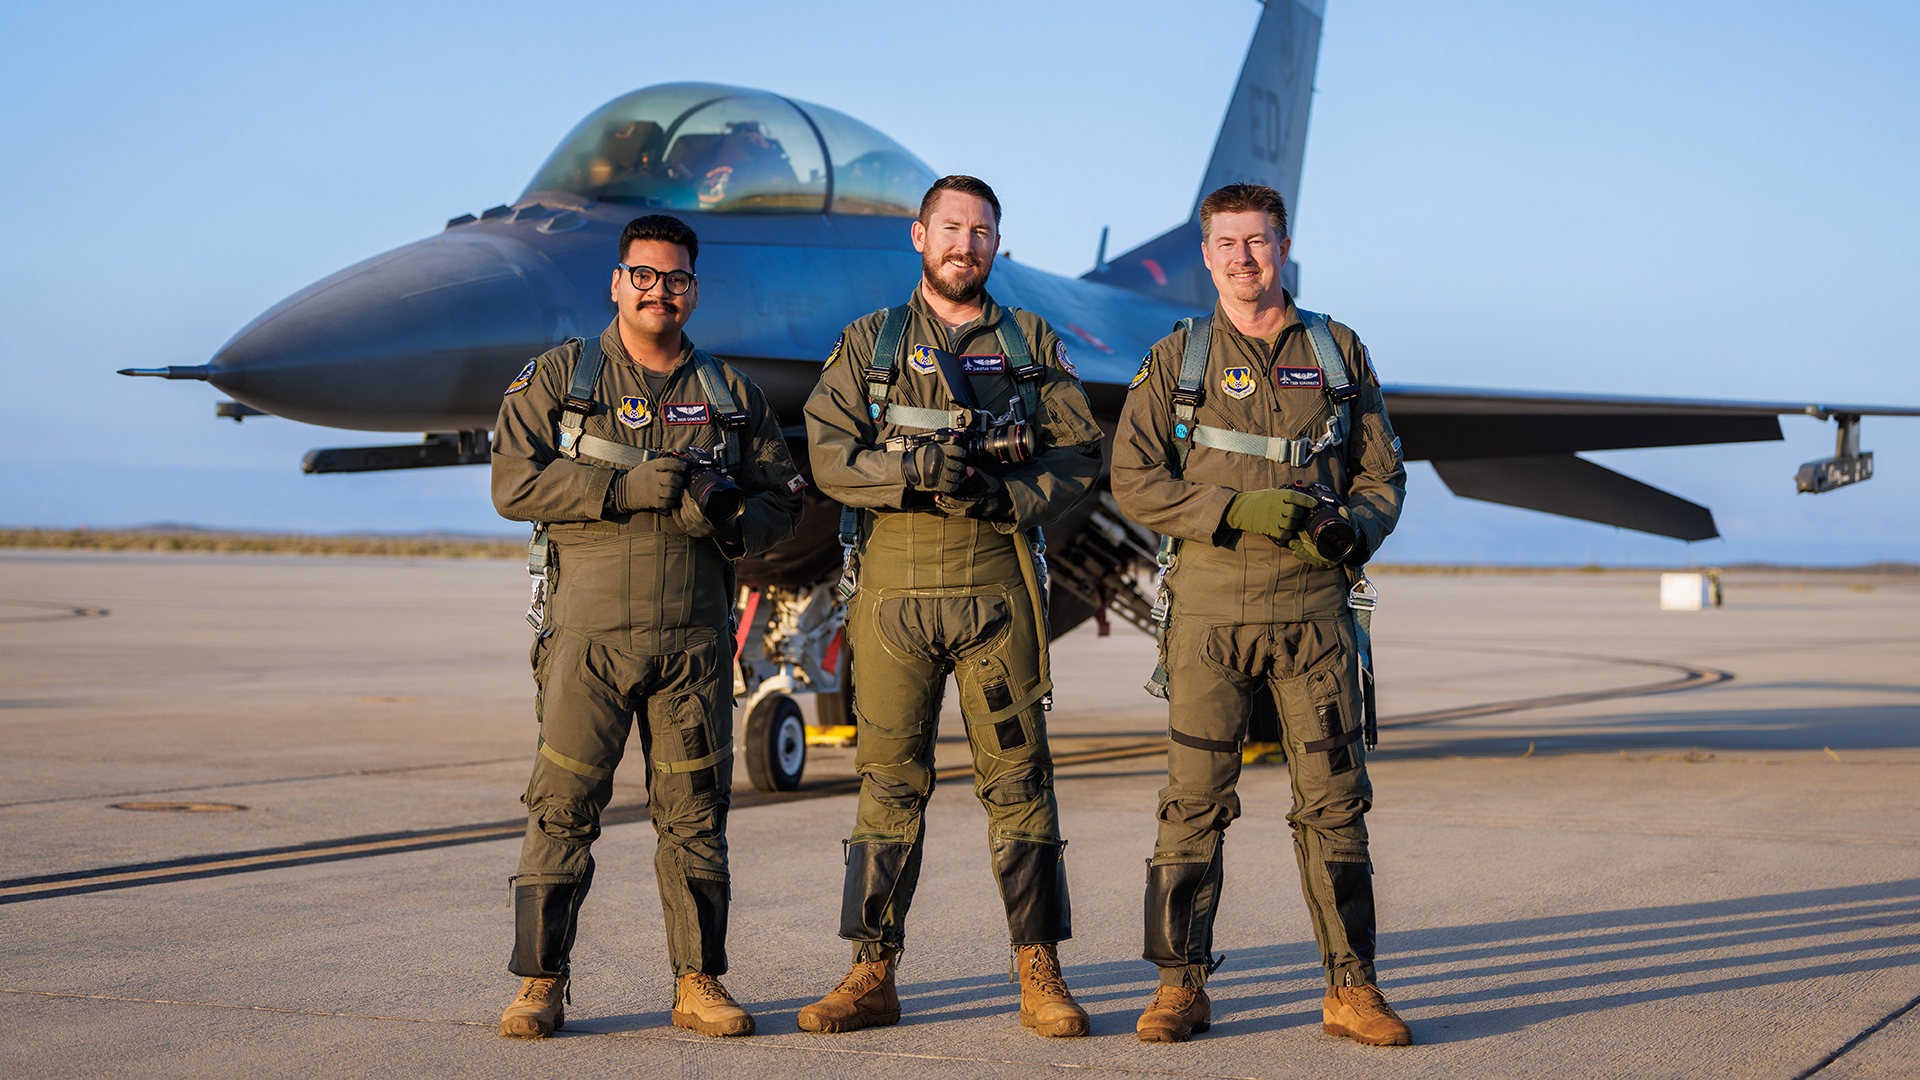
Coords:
pixel 696 740
pixel 537 658
pixel 590 593
pixel 1329 722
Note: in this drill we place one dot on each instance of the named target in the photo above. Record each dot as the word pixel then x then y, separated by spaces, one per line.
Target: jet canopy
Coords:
pixel 700 146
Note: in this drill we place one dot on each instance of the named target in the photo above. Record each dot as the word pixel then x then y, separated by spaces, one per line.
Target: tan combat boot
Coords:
pixel 1174 1013
pixel 701 1004
pixel 1361 1013
pixel 1046 1005
pixel 865 998
pixel 538 1012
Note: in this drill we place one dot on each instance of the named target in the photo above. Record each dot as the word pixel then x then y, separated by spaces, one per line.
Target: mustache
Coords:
pixel 668 305
pixel 965 258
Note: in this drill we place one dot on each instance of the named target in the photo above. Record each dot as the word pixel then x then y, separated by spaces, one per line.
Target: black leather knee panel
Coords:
pixel 873 876
pixel 1033 882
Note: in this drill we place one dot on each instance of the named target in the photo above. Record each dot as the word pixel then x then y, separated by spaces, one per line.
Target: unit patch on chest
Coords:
pixel 1237 382
pixel 924 359
pixel 1298 378
pixel 983 365
pixel 635 412
pixel 686 414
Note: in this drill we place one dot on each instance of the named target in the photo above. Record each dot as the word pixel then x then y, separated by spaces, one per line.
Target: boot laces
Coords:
pixel 539 991
pixel 864 977
pixel 1043 974
pixel 709 990
pixel 1173 998
pixel 1367 1001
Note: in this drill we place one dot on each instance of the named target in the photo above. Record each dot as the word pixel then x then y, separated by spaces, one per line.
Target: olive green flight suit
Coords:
pixel 1249 618
pixel 639 623
pixel 942 593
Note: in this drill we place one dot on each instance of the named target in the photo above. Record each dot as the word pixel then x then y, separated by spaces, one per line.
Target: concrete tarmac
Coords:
pixel 1716 881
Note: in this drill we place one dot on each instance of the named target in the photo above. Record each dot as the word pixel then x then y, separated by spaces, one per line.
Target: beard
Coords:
pixel 952 281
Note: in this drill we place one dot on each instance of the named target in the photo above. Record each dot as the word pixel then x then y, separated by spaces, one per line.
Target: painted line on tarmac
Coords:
pixel 704 1042
pixel 48 886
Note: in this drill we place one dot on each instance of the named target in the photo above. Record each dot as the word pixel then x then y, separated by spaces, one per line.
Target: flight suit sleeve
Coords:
pixel 531 481
pixel 1144 480
pixel 1377 477
pixel 1068 463
pixel 769 478
pixel 840 435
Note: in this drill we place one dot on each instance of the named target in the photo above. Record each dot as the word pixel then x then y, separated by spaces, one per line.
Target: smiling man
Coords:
pixel 1256 441
pixel 647 467
pixel 952 429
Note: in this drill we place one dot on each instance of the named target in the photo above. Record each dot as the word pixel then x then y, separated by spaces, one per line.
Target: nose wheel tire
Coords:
pixel 776 744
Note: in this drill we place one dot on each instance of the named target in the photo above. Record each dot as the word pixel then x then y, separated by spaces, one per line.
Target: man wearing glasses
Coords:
pixel 633 554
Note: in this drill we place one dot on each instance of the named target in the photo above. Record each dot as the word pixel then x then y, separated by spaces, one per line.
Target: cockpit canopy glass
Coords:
pixel 698 146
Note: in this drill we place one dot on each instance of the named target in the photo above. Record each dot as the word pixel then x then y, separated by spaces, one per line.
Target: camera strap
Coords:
pixel 725 413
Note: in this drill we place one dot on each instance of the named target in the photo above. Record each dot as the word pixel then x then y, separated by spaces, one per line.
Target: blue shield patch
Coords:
pixel 635 412
pixel 1298 378
pixel 923 359
pixel 686 414
pixel 1237 382
pixel 522 380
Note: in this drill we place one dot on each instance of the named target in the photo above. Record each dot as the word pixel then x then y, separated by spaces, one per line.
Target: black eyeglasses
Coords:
pixel 676 282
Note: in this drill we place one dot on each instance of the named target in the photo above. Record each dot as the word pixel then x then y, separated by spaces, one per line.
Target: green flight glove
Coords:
pixel 982 495
pixel 1304 550
pixel 651 485
pixel 1275 512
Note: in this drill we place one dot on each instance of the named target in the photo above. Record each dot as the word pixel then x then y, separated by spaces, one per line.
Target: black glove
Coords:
pixel 981 496
pixel 695 523
pixel 936 467
pixel 651 485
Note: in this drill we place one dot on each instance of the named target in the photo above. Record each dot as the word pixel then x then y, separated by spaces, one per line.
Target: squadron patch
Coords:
pixel 635 412
pixel 835 354
pixel 1298 378
pixel 923 360
pixel 1146 369
pixel 695 413
pixel 796 483
pixel 1060 357
pixel 524 379
pixel 983 365
pixel 1237 382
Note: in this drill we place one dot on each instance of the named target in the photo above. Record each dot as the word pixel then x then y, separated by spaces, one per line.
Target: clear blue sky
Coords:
pixel 1663 198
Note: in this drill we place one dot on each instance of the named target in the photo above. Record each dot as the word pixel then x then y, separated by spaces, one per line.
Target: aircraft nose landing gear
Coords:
pixel 790 642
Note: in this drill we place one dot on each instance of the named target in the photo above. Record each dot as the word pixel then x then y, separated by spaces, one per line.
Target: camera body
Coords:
pixel 1332 535
pixel 720 499
pixel 988 441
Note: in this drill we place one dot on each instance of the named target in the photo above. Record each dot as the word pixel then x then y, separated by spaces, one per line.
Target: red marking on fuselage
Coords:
pixel 1090 339
pixel 1159 275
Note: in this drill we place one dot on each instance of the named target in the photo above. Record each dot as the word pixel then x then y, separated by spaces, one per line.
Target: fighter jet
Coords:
pixel 803 215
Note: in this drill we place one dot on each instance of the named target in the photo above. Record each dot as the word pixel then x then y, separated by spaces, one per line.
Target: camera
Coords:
pixel 711 489
pixel 1333 536
pixel 988 440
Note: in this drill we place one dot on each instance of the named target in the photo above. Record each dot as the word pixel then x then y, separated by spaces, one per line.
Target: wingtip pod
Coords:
pixel 195 371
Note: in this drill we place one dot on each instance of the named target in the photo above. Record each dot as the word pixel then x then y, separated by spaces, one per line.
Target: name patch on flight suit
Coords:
pixel 686 414
pixel 1298 378
pixel 1146 369
pixel 1237 382
pixel 635 412
pixel 521 381
pixel 924 359
pixel 983 365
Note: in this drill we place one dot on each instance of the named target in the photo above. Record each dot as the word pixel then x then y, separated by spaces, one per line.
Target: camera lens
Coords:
pixel 718 498
pixel 1009 444
pixel 1332 535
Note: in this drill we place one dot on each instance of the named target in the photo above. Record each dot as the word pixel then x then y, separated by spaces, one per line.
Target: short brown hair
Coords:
pixel 1238 199
pixel 661 227
pixel 965 185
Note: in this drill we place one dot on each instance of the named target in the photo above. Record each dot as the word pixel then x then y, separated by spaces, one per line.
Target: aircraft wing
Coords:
pixel 1519 449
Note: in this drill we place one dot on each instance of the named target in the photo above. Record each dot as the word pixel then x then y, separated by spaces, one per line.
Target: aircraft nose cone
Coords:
pixel 423 338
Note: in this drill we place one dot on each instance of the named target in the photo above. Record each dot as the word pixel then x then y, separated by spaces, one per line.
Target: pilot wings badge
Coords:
pixel 1238 382
pixel 634 412
pixel 522 380
pixel 923 360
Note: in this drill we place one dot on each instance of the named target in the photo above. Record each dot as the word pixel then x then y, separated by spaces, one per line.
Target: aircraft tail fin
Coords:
pixel 1263 140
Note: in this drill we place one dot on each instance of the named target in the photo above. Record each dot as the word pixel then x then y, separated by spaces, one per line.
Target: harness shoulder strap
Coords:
pixel 1020 364
pixel 1191 389
pixel 713 382
pixel 578 401
pixel 883 369
pixel 1341 389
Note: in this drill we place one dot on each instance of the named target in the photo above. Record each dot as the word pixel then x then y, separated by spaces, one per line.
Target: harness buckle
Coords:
pixel 733 420
pixel 1030 373
pixel 1193 396
pixel 884 375
pixel 1340 395
pixel 572 404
